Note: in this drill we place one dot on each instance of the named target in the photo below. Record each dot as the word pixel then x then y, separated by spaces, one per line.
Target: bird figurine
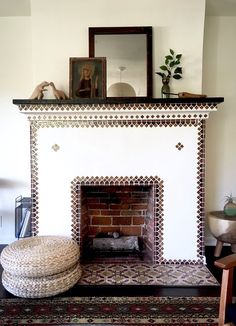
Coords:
pixel 59 95
pixel 38 91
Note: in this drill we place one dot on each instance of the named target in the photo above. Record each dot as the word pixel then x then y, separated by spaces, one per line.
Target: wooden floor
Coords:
pixel 132 290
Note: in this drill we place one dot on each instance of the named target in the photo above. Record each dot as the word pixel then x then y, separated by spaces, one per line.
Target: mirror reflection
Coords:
pixel 126 63
pixel 128 51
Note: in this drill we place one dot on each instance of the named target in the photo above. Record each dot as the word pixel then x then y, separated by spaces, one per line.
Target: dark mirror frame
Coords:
pixel 93 31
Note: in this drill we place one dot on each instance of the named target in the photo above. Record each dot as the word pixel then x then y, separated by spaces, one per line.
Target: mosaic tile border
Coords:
pixel 117 111
pixel 158 190
pixel 201 166
pixel 106 107
pixel 113 123
pixel 200 124
pixel 117 117
pixel 34 177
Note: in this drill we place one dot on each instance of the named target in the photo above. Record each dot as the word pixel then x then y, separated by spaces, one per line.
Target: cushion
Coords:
pixel 40 287
pixel 40 256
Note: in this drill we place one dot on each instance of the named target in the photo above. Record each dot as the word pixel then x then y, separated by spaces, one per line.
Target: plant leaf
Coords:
pixel 168 58
pixel 172 64
pixel 170 67
pixel 178 70
pixel 163 68
pixel 177 76
pixel 161 74
pixel 178 56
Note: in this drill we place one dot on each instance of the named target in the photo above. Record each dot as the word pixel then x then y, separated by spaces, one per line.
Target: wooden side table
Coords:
pixel 223 228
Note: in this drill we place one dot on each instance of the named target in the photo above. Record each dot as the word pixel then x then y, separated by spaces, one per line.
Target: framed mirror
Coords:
pixel 128 51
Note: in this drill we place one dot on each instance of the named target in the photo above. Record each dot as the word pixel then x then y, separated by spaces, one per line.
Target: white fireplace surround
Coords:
pixel 164 139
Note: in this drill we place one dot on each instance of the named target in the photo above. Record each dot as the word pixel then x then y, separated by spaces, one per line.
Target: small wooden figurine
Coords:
pixel 59 95
pixel 38 91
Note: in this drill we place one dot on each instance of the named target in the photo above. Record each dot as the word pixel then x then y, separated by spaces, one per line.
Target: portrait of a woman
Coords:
pixel 87 77
pixel 88 83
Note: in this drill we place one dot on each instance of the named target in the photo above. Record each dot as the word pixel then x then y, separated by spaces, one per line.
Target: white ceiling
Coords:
pixel 22 7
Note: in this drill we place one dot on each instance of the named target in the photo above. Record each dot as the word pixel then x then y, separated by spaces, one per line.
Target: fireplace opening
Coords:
pixel 118 219
pixel 117 223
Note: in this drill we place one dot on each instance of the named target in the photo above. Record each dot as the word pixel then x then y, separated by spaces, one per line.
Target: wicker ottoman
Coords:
pixel 40 266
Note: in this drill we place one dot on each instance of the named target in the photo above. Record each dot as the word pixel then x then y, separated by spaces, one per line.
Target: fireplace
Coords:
pixel 127 207
pixel 153 150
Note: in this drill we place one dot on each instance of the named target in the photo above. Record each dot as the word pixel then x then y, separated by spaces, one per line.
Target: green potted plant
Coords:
pixel 230 206
pixel 171 68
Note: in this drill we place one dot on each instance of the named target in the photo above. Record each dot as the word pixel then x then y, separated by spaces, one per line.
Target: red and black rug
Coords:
pixel 110 311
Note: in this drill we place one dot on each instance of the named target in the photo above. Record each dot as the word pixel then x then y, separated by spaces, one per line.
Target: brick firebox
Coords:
pixel 128 205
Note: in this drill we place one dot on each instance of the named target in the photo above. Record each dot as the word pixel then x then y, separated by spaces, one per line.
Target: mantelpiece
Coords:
pixel 159 143
pixel 158 108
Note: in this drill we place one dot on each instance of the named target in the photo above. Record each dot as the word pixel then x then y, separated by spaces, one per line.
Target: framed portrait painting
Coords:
pixel 87 78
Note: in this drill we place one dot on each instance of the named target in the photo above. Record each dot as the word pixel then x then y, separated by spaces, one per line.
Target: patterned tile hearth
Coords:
pixel 146 274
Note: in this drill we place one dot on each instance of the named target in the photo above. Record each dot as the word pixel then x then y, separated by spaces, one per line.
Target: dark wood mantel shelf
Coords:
pixel 119 108
pixel 115 100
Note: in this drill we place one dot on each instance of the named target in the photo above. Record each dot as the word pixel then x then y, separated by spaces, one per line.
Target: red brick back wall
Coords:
pixel 124 209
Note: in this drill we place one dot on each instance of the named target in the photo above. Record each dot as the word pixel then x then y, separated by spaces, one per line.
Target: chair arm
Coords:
pixel 226 262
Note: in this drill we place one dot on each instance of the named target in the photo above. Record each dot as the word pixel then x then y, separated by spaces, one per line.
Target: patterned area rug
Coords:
pixel 147 274
pixel 110 311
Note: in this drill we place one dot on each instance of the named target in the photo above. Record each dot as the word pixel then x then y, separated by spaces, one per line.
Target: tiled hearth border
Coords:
pixel 49 122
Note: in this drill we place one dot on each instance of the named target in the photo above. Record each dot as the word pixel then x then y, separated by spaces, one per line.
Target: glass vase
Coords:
pixel 165 90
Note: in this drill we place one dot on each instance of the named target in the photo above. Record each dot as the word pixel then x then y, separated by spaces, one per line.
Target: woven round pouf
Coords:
pixel 40 256
pixel 41 287
pixel 40 266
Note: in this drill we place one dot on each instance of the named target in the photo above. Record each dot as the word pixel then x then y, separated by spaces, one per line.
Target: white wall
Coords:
pixel 60 31
pixel 219 80
pixel 15 80
pixel 38 48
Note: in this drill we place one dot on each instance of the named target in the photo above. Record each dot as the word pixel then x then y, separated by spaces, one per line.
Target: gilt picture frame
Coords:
pixel 87 77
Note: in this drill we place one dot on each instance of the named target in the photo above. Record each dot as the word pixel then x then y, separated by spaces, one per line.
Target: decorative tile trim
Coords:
pixel 34 178
pixel 158 190
pixel 117 111
pixel 126 107
pixel 179 146
pixel 201 163
pixel 118 117
pixel 113 123
pixel 55 147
